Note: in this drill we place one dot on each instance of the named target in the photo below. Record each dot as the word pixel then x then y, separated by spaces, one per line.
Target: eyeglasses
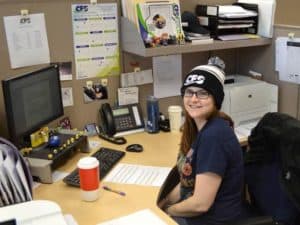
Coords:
pixel 201 94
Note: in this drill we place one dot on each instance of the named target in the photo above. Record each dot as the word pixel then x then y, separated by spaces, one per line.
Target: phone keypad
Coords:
pixel 124 123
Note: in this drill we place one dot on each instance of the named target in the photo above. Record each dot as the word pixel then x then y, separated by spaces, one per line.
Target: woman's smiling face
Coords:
pixel 198 103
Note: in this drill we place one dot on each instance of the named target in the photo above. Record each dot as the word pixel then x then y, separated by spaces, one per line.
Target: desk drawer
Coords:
pixel 248 97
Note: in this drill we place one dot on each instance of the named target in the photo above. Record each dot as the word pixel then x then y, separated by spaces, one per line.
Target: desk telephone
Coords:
pixel 119 120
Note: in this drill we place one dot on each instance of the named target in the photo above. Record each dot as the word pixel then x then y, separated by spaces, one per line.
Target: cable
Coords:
pixel 114 140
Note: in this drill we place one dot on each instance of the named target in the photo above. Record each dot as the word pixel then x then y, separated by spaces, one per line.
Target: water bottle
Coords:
pixel 152 114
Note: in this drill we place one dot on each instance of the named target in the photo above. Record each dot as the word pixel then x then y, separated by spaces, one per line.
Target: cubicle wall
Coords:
pixel 264 63
pixel 59 30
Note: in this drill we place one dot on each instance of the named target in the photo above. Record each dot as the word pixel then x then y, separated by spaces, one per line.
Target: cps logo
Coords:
pixel 194 78
pixel 82 8
pixel 25 20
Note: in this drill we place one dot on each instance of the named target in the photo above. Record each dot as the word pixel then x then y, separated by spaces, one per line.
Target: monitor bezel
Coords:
pixel 19 138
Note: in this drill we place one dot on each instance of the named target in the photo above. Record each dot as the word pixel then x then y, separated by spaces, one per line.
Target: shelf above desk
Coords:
pixel 132 43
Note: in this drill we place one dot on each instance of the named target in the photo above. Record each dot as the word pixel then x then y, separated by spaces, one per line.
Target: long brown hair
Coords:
pixel 189 129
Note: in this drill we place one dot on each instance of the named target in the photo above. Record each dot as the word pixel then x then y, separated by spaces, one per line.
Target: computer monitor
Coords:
pixel 32 100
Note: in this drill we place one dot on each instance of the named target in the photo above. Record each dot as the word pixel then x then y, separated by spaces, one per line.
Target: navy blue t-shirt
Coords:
pixel 218 151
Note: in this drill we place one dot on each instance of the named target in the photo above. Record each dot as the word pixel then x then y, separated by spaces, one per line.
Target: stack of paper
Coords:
pixel 15 179
pixel 196 38
pixel 235 17
pixel 234 11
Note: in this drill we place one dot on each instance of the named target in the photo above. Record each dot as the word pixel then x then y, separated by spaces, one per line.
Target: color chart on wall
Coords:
pixel 95 40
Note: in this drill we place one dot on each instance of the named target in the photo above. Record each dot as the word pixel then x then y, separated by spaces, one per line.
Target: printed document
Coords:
pixel 67 96
pixel 96 40
pixel 167 75
pixel 129 95
pixel 287 56
pixel 138 174
pixel 145 217
pixel 26 36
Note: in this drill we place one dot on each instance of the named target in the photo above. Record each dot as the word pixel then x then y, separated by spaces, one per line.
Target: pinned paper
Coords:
pixel 287 55
pixel 26 35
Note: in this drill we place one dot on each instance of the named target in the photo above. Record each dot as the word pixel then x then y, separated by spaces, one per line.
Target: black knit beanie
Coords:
pixel 208 77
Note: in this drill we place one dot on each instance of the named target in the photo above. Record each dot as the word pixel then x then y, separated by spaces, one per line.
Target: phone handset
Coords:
pixel 107 128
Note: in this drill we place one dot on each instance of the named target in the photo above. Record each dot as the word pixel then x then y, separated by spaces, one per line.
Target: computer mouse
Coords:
pixel 134 148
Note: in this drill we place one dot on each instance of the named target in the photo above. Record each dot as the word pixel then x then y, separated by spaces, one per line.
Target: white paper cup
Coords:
pixel 175 112
pixel 88 169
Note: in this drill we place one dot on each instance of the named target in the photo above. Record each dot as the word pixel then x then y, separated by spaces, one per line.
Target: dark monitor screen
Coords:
pixel 32 100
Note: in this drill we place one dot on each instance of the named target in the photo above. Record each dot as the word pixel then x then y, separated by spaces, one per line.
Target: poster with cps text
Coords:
pixel 95 37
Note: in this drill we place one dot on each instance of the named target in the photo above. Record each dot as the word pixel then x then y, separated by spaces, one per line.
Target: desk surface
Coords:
pixel 159 150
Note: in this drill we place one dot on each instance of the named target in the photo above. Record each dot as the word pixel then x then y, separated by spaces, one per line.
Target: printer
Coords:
pixel 247 100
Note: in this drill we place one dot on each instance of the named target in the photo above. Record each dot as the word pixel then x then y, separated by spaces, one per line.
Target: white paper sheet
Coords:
pixel 136 78
pixel 138 174
pixel 234 11
pixel 167 75
pixel 129 95
pixel 67 96
pixel 292 62
pixel 243 131
pixel 35 185
pixel 58 175
pixel 144 217
pixel 287 59
pixel 26 36
pixel 70 219
pixel 280 53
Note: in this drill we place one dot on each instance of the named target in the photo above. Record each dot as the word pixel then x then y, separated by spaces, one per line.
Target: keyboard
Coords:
pixel 107 159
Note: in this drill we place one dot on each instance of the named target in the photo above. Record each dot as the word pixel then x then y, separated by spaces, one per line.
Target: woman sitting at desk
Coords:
pixel 210 160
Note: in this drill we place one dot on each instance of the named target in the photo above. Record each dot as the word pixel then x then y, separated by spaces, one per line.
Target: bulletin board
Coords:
pixel 58 19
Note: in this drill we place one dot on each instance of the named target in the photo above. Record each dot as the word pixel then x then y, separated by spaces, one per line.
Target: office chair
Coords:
pixel 272 167
pixel 272 173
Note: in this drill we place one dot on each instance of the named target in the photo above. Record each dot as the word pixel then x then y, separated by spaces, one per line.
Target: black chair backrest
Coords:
pixel 272 167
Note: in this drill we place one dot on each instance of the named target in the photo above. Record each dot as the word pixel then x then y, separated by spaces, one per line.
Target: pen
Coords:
pixel 115 191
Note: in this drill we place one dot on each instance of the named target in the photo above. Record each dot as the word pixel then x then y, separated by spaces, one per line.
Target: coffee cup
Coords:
pixel 175 112
pixel 88 168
